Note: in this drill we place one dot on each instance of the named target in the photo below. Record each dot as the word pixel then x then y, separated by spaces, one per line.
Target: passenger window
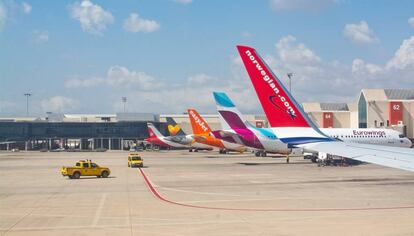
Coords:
pixel 86 165
pixel 77 164
pixel 94 165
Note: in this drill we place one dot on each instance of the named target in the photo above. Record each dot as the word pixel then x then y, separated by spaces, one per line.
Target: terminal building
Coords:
pixel 374 108
pixel 332 115
pixel 81 132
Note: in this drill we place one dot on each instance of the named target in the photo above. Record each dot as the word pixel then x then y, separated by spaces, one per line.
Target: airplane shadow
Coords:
pixel 271 164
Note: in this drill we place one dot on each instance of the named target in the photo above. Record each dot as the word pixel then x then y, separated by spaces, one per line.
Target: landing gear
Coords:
pixel 223 151
pixel 260 153
pixel 190 150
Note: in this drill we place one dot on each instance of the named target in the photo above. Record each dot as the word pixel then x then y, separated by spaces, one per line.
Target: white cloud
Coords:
pixel 185 2
pixel 41 36
pixel 359 66
pixel 136 24
pixel 306 5
pixel 411 21
pixel 3 16
pixel 200 79
pixel 26 7
pixel 92 17
pixel 84 83
pixel 291 52
pixel 360 33
pixel 58 104
pixel 118 76
pixel 315 79
pixel 404 57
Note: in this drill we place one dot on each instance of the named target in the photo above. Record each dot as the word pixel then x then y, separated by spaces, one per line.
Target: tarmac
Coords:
pixel 204 193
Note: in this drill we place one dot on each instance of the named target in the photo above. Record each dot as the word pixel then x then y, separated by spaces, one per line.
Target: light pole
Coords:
pixel 124 100
pixel 290 82
pixel 27 102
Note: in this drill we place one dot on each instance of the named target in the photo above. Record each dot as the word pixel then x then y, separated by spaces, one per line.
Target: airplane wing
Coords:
pixel 400 158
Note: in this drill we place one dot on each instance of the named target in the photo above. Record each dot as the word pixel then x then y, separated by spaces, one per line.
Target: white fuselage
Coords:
pixel 233 146
pixel 385 137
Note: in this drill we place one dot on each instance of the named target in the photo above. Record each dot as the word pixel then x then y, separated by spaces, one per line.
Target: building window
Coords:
pixel 362 111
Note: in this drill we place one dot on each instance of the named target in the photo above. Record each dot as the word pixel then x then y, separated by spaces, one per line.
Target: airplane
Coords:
pixel 264 140
pixel 292 126
pixel 156 138
pixel 178 135
pixel 201 134
pixel 178 141
pixel 235 128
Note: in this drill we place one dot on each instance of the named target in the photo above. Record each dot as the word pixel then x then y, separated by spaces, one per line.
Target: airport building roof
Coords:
pixel 321 107
pixel 388 94
pixel 334 107
pixel 400 94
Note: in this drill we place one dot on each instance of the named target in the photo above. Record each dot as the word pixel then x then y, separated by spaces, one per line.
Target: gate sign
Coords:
pixel 396 112
pixel 328 120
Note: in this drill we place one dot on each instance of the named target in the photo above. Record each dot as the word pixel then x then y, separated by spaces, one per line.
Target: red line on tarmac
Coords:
pixel 160 197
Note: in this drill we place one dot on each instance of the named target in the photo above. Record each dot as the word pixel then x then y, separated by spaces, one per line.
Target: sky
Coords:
pixel 165 56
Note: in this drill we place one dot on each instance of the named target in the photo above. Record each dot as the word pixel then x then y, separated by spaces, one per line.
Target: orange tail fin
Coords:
pixel 198 124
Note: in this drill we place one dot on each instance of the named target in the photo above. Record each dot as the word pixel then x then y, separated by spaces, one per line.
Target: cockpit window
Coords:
pixel 401 136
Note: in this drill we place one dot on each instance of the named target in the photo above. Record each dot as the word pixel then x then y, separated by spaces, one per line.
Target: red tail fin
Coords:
pixel 151 133
pixel 280 108
pixel 198 124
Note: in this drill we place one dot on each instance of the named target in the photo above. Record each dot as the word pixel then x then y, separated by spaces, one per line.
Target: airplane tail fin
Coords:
pixel 153 131
pixel 174 128
pixel 230 116
pixel 198 124
pixel 280 107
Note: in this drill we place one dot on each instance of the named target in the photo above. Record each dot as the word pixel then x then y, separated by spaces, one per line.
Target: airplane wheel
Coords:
pixel 257 154
pixel 264 154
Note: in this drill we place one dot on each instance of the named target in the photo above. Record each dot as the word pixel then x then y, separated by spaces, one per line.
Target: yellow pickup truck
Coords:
pixel 135 160
pixel 85 168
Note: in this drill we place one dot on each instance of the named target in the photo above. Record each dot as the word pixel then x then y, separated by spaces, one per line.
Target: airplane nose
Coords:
pixel 408 141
